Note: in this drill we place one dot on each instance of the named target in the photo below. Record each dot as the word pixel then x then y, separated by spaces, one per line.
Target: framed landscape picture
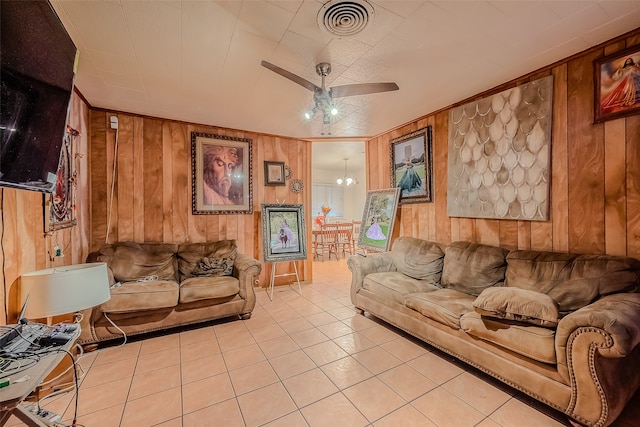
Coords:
pixel 617 91
pixel 221 174
pixel 284 236
pixel 378 219
pixel 411 166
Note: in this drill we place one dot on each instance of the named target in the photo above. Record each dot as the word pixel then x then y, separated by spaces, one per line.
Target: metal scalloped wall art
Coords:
pixel 499 154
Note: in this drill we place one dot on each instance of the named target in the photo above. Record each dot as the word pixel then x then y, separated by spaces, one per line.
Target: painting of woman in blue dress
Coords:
pixel 410 179
pixel 411 166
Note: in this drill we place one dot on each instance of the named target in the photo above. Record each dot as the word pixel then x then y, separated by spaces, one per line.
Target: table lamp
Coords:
pixel 63 290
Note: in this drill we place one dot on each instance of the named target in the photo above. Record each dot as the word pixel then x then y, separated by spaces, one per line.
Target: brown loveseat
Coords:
pixel 156 286
pixel 563 328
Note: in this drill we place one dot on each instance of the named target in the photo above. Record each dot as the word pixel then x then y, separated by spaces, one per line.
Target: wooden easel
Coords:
pixel 274 275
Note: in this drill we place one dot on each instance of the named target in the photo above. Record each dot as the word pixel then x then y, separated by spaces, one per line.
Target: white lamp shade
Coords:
pixel 63 290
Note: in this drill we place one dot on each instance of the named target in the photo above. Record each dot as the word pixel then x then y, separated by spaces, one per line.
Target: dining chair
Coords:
pixel 325 241
pixel 344 238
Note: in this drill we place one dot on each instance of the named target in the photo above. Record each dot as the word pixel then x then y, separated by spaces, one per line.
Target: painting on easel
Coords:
pixel 283 233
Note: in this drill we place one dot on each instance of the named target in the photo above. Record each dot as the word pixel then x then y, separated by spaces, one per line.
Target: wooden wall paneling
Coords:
pixel 454 229
pixel 125 178
pixel 267 147
pixel 430 225
pixel 440 135
pixel 11 250
pixel 282 154
pixel 488 231
pixel 422 218
pixel 181 182
pixel 99 188
pixel 197 224
pixel 633 186
pixel 524 235
pixel 307 162
pixel 468 229
pixel 153 175
pixel 378 164
pixel 167 182
pixel 138 179
pixel 79 120
pixel 542 235
pixel 586 160
pixel 559 162
pixel 508 231
pixel 615 210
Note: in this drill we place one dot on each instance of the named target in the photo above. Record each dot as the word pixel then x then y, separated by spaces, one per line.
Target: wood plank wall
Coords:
pixel 152 186
pixel 595 182
pixel 24 246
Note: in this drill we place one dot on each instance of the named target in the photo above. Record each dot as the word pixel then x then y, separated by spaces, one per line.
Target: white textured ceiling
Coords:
pixel 199 61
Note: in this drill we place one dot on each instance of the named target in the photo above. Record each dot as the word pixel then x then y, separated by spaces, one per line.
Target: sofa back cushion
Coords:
pixel 131 261
pixel 573 281
pixel 206 259
pixel 419 259
pixel 473 267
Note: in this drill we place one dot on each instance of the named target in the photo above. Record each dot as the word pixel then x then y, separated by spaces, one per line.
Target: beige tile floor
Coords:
pixel 305 360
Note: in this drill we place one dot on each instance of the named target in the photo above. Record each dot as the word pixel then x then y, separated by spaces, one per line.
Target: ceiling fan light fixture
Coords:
pixel 334 110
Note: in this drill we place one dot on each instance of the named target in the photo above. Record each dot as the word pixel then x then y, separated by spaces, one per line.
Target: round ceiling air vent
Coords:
pixel 345 18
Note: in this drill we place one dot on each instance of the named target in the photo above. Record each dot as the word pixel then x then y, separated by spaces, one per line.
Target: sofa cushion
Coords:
pixel 142 295
pixel 192 257
pixel 200 288
pixel 443 305
pixel 418 258
pixel 131 261
pixel 472 267
pixel 573 281
pixel 518 304
pixel 393 285
pixel 531 341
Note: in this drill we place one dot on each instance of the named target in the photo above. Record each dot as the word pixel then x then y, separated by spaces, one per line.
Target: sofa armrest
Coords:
pixel 246 269
pixel 597 351
pixel 617 316
pixel 361 266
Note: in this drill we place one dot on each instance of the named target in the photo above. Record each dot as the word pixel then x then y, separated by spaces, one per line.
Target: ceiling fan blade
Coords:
pixel 362 89
pixel 294 78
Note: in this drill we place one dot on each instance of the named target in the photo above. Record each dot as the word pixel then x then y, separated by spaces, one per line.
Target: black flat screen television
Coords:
pixel 38 64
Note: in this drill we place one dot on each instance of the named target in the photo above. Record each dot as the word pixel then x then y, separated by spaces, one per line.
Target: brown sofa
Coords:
pixel 563 328
pixel 156 286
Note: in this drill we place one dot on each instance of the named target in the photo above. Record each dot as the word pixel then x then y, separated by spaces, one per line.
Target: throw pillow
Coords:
pixel 213 266
pixel 517 304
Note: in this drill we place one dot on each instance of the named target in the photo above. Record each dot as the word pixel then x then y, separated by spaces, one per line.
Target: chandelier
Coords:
pixel 346 179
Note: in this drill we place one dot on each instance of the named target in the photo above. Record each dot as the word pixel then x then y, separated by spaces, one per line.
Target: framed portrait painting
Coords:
pixel 283 233
pixel 274 173
pixel 221 174
pixel 616 85
pixel 378 218
pixel 411 166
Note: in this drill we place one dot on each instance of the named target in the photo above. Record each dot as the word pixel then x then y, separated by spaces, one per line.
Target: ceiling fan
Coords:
pixel 323 97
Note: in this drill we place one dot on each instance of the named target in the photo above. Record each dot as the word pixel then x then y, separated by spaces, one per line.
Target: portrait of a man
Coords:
pixel 221 178
pixel 222 167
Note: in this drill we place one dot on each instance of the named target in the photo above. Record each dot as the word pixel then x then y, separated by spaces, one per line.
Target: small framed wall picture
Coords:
pixel 616 85
pixel 274 173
